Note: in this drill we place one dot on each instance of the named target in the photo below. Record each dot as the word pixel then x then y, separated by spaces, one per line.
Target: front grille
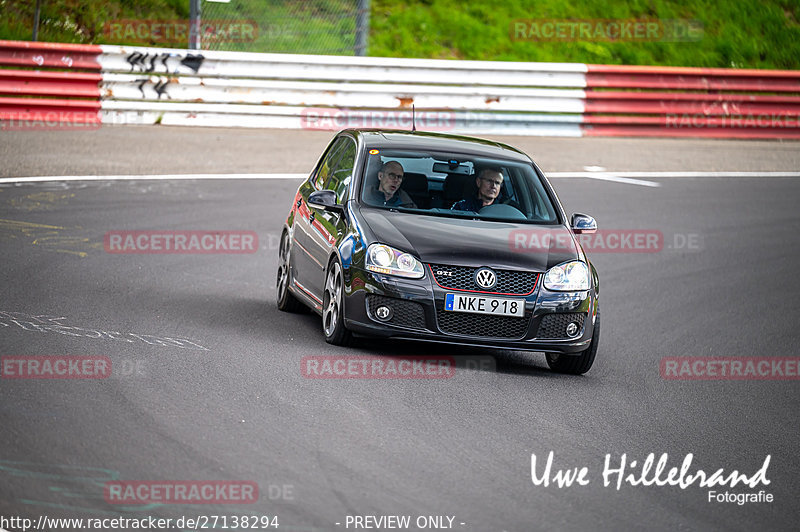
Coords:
pixel 404 313
pixel 555 325
pixel 485 325
pixel 463 278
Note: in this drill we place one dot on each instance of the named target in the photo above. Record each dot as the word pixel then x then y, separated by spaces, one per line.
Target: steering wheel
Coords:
pixel 502 210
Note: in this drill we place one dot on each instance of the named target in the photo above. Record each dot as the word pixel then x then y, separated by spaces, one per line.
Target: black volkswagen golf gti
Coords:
pixel 441 238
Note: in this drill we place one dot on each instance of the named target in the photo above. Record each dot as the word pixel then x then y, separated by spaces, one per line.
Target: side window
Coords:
pixel 328 162
pixel 508 186
pixel 341 172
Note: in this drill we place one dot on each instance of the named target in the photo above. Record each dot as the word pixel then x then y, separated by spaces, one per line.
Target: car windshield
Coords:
pixel 458 185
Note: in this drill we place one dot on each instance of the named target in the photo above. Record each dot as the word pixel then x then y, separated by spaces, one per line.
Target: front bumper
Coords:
pixel 418 314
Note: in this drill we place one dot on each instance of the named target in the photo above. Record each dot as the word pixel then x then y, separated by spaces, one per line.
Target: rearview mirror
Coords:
pixel 458 168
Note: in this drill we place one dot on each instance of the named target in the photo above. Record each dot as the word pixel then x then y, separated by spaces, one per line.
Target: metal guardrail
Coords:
pixel 185 87
pixel 67 94
pixel 702 102
pixel 333 92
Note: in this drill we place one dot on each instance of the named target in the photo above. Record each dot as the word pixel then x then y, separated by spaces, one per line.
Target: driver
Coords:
pixel 489 182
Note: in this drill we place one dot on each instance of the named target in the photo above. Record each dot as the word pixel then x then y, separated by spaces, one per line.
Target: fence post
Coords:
pixel 362 27
pixel 36 20
pixel 194 24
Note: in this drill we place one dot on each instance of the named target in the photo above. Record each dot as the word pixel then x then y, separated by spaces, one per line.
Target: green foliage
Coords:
pixel 742 33
pixel 80 21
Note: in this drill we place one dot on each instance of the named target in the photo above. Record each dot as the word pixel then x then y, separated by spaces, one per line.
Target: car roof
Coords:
pixel 424 140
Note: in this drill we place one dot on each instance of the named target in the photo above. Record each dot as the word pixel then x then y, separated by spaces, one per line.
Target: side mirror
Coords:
pixel 582 223
pixel 325 200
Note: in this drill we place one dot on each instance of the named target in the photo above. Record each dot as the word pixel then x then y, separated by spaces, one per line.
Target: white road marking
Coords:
pixel 606 176
pixel 631 178
pixel 707 174
pixel 164 177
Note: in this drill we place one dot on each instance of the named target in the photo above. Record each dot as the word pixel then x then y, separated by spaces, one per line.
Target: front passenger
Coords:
pixel 388 192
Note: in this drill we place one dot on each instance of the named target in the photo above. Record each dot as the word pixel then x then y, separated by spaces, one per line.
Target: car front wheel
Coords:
pixel 580 363
pixel 333 308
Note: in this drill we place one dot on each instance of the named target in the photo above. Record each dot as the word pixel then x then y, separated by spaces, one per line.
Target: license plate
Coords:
pixel 497 306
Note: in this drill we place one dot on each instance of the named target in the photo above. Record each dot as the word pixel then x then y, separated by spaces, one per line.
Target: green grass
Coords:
pixel 736 33
pixel 740 33
pixel 80 21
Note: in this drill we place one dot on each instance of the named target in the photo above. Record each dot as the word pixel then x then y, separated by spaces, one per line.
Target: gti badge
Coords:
pixel 485 278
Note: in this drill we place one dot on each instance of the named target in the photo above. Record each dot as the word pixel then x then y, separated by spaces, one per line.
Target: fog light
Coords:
pixel 383 313
pixel 572 329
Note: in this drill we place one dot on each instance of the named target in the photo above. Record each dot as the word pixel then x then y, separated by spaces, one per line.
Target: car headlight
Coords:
pixel 384 259
pixel 568 277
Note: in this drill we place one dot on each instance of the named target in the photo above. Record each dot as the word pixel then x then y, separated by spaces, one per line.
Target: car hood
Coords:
pixel 458 241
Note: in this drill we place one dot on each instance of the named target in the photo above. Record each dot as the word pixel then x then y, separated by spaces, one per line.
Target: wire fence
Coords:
pixel 283 26
pixel 332 27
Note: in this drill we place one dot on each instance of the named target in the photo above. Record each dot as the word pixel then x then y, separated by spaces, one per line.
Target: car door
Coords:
pixel 327 226
pixel 304 267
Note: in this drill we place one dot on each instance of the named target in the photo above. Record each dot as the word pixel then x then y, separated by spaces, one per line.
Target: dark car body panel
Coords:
pixel 481 243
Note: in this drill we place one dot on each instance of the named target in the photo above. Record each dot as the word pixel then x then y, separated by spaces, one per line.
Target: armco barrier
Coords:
pixel 702 102
pixel 280 90
pixel 209 88
pixel 49 85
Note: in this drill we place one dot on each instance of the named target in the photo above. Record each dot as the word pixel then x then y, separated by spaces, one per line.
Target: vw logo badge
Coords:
pixel 485 278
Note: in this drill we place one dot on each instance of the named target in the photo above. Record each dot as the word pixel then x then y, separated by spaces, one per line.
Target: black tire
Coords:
pixel 333 307
pixel 580 363
pixel 286 300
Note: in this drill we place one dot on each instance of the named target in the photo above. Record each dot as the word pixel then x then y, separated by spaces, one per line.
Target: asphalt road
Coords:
pixel 227 400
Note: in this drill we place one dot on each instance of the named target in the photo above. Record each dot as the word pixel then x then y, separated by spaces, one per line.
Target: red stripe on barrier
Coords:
pixel 633 103
pixel 35 113
pixel 32 113
pixel 34 103
pixel 692 82
pixel 755 127
pixel 694 96
pixel 687 113
pixel 690 78
pixel 53 46
pixel 37 83
pixel 691 71
pixel 49 119
pixel 50 55
pixel 696 121
pixel 729 133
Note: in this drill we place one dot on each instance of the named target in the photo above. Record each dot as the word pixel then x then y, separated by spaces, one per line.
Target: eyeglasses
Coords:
pixel 392 175
pixel 495 182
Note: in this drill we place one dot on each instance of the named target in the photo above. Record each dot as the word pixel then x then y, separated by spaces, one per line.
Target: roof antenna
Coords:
pixel 413 119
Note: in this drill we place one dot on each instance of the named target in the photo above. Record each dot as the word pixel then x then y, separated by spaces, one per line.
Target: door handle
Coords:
pixel 299 202
pixel 311 218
